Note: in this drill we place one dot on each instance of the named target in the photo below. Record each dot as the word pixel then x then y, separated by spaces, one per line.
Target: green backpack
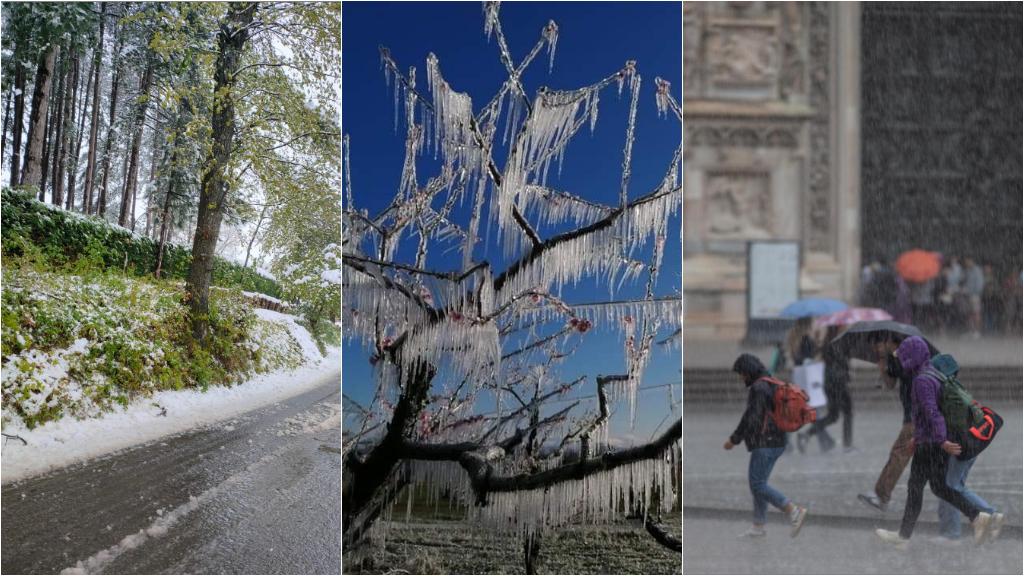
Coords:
pixel 958 407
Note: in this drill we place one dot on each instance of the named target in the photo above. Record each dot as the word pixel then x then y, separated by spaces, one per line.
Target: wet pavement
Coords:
pixel 711 546
pixel 839 534
pixel 259 493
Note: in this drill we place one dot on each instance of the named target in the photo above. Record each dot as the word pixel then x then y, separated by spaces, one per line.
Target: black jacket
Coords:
pixel 837 368
pixel 805 350
pixel 756 427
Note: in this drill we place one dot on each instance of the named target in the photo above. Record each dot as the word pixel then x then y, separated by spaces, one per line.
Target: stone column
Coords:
pixel 846 25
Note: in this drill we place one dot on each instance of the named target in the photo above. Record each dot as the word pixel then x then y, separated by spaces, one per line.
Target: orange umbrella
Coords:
pixel 919 265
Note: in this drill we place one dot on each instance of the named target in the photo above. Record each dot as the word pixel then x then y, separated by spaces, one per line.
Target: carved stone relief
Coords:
pixel 818 223
pixel 763 70
pixel 742 55
pixel 693 60
pixel 791 74
pixel 748 135
pixel 739 205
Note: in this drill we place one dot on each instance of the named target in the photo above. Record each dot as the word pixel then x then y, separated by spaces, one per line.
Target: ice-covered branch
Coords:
pixel 566 257
pixel 486 482
pixel 413 450
pixel 665 100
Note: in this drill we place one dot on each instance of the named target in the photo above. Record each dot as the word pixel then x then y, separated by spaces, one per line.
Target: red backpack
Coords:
pixel 789 406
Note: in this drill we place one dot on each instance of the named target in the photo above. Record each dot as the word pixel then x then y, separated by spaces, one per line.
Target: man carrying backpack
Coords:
pixel 766 442
pixel 931 448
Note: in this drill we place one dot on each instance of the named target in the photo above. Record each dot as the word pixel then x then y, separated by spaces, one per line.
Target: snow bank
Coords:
pixel 305 339
pixel 266 297
pixel 67 441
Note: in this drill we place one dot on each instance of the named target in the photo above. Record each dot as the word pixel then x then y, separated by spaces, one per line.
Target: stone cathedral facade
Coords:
pixel 829 123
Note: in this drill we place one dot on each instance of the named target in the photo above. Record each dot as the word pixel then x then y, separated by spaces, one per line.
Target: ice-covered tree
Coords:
pixel 467 361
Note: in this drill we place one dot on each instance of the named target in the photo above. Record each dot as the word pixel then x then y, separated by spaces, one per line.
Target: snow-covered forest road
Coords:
pixel 254 494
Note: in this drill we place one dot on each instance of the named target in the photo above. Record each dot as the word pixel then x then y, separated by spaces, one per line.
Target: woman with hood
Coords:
pixel 766 443
pixel 931 449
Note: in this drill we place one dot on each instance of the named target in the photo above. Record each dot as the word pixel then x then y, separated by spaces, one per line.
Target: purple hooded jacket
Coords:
pixel 929 426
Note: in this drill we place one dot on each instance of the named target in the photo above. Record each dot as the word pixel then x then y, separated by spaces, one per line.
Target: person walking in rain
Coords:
pixel 974 288
pixel 837 391
pixel 766 443
pixel 800 343
pixel 903 447
pixel 931 449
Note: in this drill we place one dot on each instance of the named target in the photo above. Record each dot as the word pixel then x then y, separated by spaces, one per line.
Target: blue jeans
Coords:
pixel 956 478
pixel 762 460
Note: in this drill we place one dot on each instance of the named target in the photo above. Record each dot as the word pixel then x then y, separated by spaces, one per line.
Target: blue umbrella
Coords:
pixel 813 307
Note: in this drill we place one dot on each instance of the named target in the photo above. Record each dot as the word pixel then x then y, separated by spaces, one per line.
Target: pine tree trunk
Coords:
pixel 231 40
pixel 56 138
pixel 126 216
pixel 101 207
pixel 64 142
pixel 19 122
pixel 90 166
pixel 154 161
pixel 76 152
pixel 165 217
pixel 52 122
pixel 7 120
pixel 32 174
pixel 46 152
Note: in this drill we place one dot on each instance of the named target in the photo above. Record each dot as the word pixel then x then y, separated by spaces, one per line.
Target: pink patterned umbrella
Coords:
pixel 851 316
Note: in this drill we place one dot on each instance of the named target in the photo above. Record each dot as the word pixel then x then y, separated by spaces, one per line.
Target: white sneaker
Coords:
pixel 995 526
pixel 892 538
pixel 796 518
pixel 754 532
pixel 980 525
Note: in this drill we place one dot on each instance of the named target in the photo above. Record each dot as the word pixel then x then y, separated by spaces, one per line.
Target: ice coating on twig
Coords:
pixel 551 35
pixel 640 487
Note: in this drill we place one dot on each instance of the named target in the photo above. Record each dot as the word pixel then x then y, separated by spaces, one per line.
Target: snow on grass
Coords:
pixel 310 350
pixel 81 345
pixel 266 297
pixel 94 364
pixel 66 441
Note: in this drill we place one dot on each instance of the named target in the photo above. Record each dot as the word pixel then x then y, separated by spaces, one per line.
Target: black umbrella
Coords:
pixel 859 339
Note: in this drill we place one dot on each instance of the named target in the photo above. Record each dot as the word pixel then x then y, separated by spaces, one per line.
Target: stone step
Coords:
pixel 995 386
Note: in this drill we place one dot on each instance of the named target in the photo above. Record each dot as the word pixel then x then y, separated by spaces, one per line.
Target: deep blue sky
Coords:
pixel 595 40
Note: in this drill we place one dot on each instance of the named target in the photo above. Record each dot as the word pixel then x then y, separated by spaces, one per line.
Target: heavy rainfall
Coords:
pixel 852 220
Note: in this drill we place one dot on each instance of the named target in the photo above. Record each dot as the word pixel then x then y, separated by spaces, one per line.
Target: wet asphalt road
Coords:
pixel 256 494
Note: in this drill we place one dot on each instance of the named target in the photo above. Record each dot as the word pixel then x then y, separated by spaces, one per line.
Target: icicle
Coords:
pixel 627 153
pixel 598 498
pixel 398 90
pixel 453 120
pixel 490 17
pixel 593 111
pixel 662 95
pixel 551 35
pixel 349 205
